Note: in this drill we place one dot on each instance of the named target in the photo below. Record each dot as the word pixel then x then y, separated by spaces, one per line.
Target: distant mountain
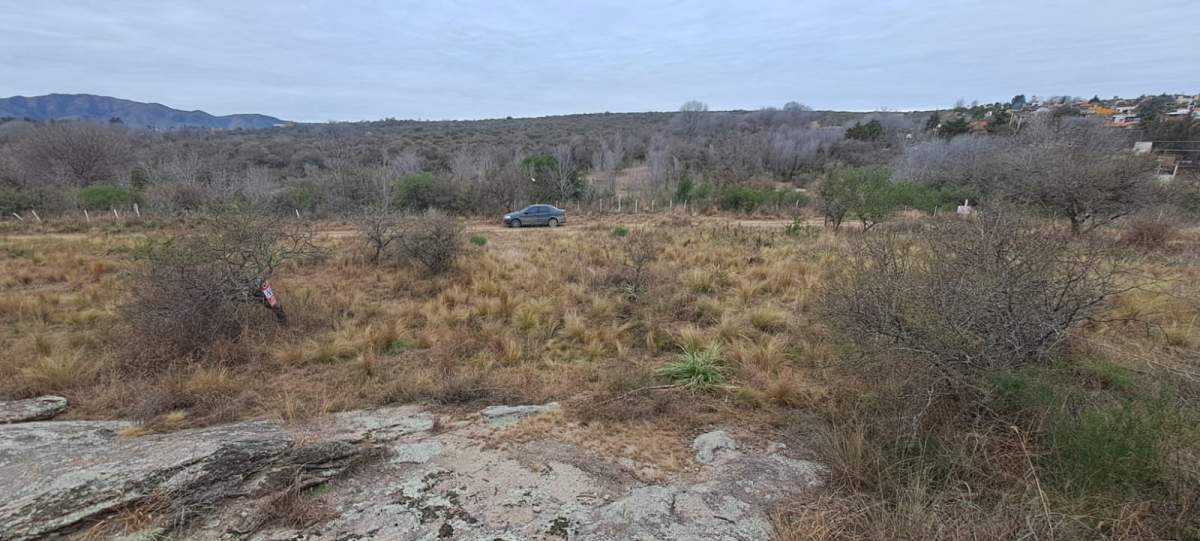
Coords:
pixel 134 114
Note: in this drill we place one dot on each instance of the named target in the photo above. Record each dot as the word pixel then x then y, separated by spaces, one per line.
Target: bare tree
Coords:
pixel 607 160
pixel 403 163
pixel 380 227
pixel 690 117
pixel 78 153
pixel 1083 171
pixel 565 172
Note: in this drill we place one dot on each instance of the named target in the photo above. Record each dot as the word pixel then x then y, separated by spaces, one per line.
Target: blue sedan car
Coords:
pixel 536 215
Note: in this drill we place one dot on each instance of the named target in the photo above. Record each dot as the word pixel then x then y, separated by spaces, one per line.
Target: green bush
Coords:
pixel 421 191
pixel 1101 433
pixel 739 198
pixel 683 191
pixel 871 131
pixel 297 196
pixel 620 231
pixel 746 198
pixel 104 197
pixel 478 240
pixel 18 201
pixel 925 198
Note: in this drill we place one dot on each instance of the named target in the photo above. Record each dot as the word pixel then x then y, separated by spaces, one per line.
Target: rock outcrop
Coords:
pixel 457 481
pixel 708 444
pixel 33 409
pixel 56 475
pixel 510 415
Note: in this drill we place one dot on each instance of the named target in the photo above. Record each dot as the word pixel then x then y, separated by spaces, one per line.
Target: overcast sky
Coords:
pixel 316 61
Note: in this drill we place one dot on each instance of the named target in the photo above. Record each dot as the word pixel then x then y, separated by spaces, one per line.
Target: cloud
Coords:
pixel 470 59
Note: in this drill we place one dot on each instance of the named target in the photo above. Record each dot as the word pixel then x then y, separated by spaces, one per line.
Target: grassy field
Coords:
pixel 650 330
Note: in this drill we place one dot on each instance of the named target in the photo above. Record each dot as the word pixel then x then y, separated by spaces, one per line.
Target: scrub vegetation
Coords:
pixel 1027 369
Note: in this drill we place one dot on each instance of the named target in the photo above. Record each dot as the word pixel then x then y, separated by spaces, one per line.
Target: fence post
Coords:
pixel 137 210
pixel 87 216
pixel 18 216
pixel 35 215
pixel 115 215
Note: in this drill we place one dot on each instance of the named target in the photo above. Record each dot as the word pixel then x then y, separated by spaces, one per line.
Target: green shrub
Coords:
pixel 297 196
pixel 739 198
pixel 18 201
pixel 620 231
pixel 871 131
pixel 700 369
pixel 478 240
pixel 1101 433
pixel 747 198
pixel 862 192
pixel 103 197
pixel 925 198
pixel 683 191
pixel 421 191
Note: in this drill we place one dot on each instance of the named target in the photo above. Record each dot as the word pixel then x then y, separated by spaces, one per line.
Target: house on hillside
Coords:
pixel 1125 120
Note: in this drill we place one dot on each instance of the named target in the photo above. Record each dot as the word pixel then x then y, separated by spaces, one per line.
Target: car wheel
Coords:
pixel 516 223
pixel 553 222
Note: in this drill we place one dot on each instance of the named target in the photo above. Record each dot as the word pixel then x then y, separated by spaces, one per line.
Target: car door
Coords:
pixel 539 215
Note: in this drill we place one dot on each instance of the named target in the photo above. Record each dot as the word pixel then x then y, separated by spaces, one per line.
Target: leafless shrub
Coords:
pixel 432 239
pixel 968 295
pixel 640 249
pixel 1149 232
pixel 380 227
pixel 197 289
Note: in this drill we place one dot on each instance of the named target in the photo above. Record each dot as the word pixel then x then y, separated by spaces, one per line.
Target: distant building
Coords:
pixel 1125 120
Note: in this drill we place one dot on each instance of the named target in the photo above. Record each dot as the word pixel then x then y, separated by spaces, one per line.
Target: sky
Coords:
pixel 348 60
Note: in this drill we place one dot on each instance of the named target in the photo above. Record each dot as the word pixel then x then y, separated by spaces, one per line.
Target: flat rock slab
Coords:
pixel 33 409
pixel 454 485
pixel 460 482
pixel 56 474
pixel 501 416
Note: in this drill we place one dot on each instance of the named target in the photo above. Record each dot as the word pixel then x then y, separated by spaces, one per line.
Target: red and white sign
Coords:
pixel 268 294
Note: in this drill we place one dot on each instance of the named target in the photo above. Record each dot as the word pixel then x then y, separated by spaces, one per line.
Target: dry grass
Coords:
pixel 498 329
